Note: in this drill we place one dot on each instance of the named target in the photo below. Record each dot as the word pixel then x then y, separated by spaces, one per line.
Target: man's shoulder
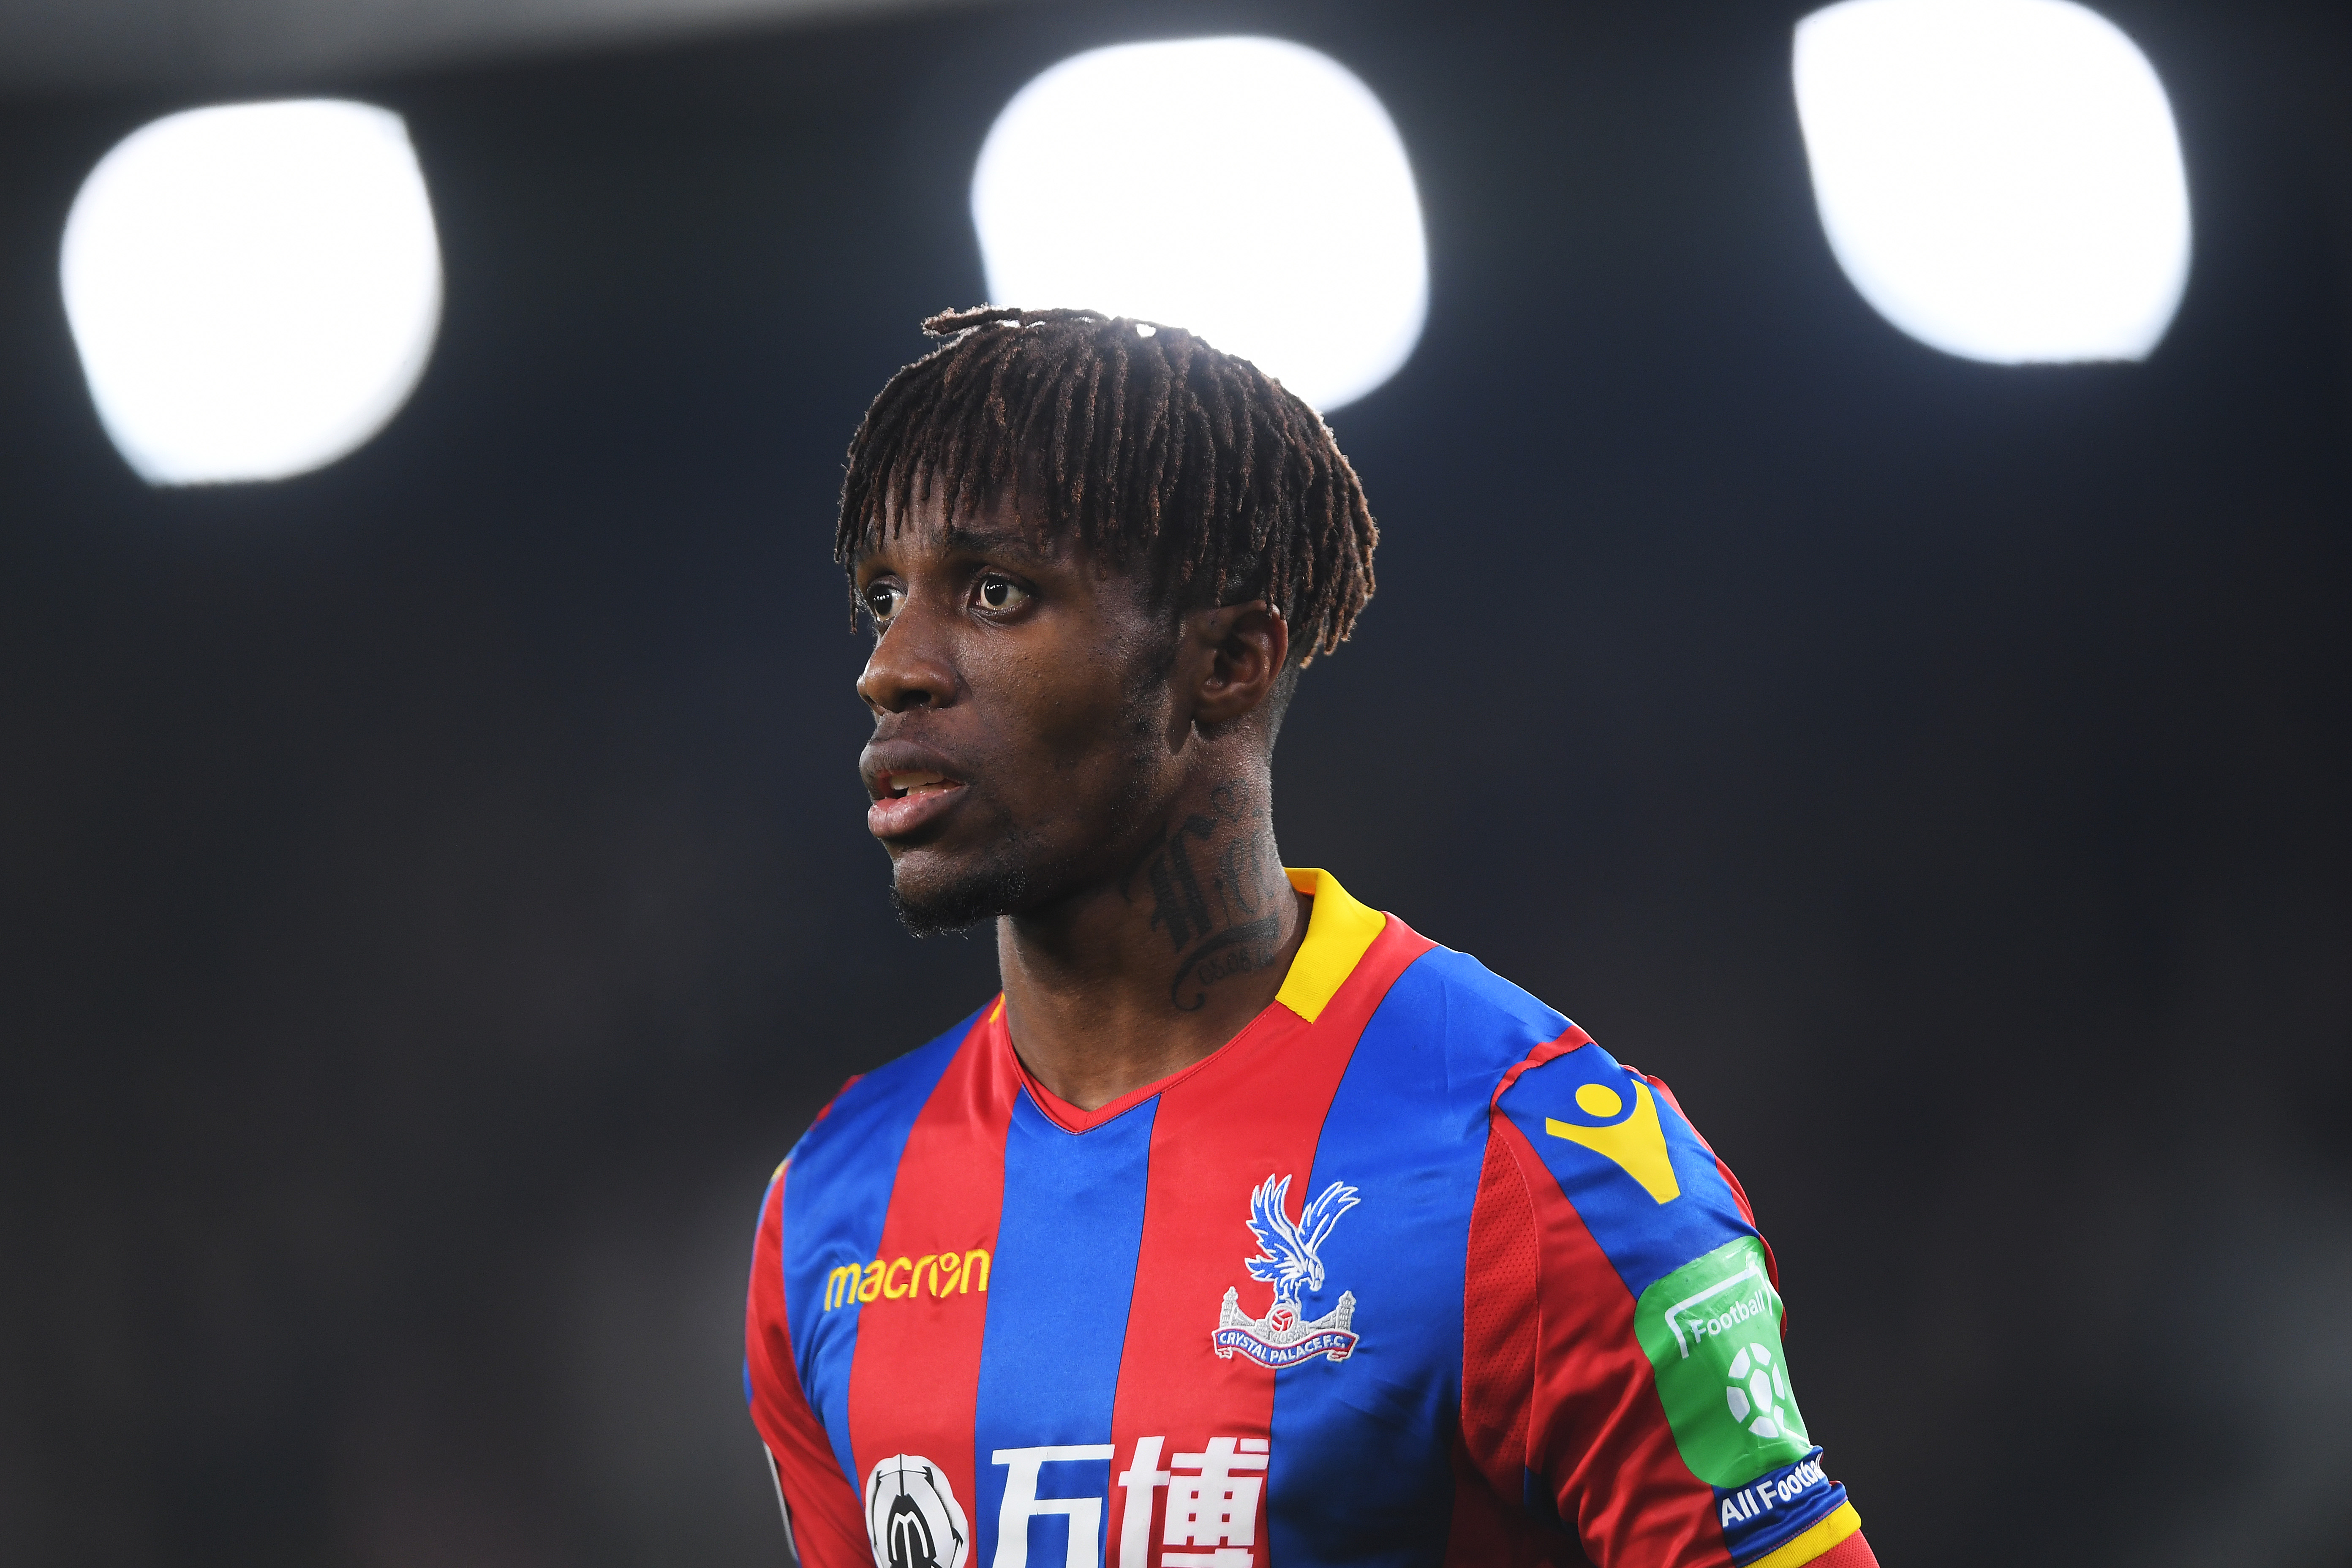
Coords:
pixel 1452 1012
pixel 880 1106
pixel 1594 1136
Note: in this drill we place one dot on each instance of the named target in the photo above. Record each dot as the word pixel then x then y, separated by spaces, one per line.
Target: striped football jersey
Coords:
pixel 1409 1272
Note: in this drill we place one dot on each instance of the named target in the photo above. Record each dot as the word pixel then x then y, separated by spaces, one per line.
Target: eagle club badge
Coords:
pixel 1289 1259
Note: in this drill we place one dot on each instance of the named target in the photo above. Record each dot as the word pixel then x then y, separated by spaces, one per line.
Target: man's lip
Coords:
pixel 910 784
pixel 895 815
pixel 885 760
pixel 916 781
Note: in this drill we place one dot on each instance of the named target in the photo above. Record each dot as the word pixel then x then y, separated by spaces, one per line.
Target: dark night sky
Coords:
pixel 435 891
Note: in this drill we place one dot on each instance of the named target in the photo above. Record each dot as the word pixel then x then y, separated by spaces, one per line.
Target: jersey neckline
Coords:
pixel 1340 932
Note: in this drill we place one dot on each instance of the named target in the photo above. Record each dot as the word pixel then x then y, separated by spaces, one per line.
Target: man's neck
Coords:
pixel 1122 984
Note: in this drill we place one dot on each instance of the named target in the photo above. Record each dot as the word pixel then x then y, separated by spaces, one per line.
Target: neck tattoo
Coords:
pixel 1213 892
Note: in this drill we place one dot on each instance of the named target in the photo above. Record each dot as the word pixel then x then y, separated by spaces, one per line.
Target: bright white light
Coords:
pixel 1999 178
pixel 253 288
pixel 1250 190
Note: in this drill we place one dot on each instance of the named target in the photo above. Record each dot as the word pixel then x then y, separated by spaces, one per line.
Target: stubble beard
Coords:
pixel 1020 875
pixel 959 905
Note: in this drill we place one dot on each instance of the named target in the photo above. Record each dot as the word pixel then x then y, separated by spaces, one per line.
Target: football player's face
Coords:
pixel 1024 727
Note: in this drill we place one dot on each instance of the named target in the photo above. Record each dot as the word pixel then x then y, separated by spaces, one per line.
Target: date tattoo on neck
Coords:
pixel 1219 924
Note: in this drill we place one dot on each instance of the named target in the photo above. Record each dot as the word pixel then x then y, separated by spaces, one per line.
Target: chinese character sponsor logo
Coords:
pixel 895 1279
pixel 1711 1332
pixel 1022 1470
pixel 1209 1519
pixel 1213 1504
pixel 1289 1258
pixel 912 1518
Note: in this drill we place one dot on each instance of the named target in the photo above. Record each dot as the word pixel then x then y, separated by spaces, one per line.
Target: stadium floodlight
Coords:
pixel 2001 179
pixel 253 287
pixel 1251 190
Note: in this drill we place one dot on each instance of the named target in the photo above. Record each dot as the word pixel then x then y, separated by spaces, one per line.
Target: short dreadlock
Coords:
pixel 1137 439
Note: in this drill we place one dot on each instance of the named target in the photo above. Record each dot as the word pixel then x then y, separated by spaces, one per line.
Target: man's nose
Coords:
pixel 910 668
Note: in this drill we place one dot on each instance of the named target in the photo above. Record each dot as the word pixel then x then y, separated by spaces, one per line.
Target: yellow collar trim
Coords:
pixel 1339 932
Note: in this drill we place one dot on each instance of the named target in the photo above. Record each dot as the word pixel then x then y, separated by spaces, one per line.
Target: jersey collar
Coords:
pixel 1340 932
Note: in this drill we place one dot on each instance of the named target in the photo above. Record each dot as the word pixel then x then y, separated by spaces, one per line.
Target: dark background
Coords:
pixel 434 892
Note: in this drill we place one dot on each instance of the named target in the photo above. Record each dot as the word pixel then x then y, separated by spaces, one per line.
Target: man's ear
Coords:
pixel 1244 646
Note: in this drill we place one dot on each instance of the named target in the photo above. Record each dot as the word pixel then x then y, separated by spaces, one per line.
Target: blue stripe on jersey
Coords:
pixel 837 1192
pixel 1057 1299
pixel 1643 1238
pixel 1374 1483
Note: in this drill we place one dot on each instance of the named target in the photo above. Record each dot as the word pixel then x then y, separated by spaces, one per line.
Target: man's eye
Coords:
pixel 882 601
pixel 1001 592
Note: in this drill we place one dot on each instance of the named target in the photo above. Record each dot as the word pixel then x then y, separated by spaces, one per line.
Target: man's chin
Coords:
pixel 936 892
pixel 933 905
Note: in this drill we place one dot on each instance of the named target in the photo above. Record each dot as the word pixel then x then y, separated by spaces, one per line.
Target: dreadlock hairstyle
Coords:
pixel 1137 440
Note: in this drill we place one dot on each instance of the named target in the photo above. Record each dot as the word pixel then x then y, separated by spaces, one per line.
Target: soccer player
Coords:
pixel 1246 1225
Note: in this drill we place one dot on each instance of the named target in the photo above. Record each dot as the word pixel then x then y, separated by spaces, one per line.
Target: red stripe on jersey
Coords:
pixel 1254 1109
pixel 1601 1436
pixel 1486 1531
pixel 1499 1326
pixel 828 1521
pixel 915 1372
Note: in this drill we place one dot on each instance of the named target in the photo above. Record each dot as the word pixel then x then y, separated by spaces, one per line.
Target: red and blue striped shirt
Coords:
pixel 1408 1272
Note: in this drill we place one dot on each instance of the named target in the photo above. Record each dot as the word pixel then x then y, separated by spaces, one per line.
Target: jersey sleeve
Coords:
pixel 1624 1376
pixel 823 1516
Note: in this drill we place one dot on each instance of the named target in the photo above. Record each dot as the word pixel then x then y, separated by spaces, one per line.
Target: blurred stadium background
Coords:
pixel 434 892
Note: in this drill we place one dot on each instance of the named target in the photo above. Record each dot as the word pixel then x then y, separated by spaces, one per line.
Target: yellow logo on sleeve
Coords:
pixel 1631 1138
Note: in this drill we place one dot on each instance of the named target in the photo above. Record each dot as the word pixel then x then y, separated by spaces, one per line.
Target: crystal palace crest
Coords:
pixel 1289 1259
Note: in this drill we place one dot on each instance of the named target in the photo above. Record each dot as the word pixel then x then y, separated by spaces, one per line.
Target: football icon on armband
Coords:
pixel 1760 1388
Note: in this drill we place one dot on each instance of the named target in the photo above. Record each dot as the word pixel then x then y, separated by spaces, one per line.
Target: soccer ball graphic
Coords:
pixel 1759 1395
pixel 912 1518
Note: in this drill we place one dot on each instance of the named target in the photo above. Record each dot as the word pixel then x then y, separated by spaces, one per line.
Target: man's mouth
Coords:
pixel 910 797
pixel 898 785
